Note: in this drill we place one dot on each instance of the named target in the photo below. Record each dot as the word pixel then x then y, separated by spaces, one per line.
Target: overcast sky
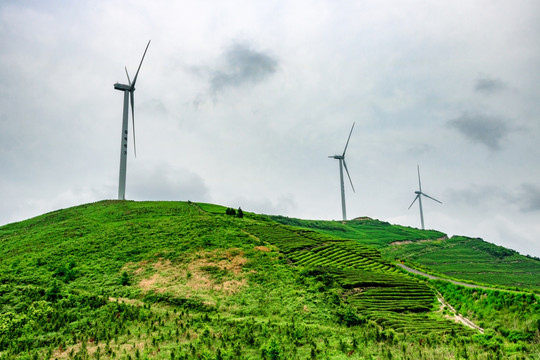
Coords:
pixel 240 103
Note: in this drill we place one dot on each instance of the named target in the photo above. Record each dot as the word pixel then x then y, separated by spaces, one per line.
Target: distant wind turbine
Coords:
pixel 419 195
pixel 128 95
pixel 342 164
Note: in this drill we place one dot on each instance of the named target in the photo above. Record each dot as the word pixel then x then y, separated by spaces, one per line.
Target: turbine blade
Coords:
pixel 132 98
pixel 347 144
pixel 129 80
pixel 417 196
pixel 347 170
pixel 426 195
pixel 137 74
pixel 419 184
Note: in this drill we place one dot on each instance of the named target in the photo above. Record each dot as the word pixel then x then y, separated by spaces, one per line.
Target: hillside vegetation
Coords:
pixel 176 280
pixel 458 257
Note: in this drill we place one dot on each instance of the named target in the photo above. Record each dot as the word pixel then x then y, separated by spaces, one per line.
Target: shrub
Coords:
pixel 53 292
pixel 124 279
pixel 272 350
pixel 66 272
pixel 350 317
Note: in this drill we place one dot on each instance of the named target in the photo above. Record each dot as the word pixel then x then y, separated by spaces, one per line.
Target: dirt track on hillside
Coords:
pixel 433 277
pixel 457 317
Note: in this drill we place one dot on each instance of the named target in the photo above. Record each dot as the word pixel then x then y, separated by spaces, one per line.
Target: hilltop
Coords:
pixel 123 279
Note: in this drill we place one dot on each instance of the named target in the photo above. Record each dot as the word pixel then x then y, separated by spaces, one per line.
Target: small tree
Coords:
pixel 240 213
pixel 124 279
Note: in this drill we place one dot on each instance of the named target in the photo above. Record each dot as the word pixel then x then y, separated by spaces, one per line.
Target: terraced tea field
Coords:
pixel 472 259
pixel 459 257
pixel 374 287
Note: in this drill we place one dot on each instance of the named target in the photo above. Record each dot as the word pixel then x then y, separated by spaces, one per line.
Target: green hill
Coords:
pixel 175 280
pixel 458 257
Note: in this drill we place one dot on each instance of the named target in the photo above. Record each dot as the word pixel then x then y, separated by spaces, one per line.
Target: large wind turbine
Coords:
pixel 342 164
pixel 128 95
pixel 419 195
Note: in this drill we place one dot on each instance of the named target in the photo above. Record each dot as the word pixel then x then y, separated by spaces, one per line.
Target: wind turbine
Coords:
pixel 342 164
pixel 419 195
pixel 128 95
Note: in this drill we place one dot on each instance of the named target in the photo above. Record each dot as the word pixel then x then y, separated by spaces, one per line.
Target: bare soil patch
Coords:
pixel 127 301
pixel 262 248
pixel 219 271
pixel 418 241
pixel 91 349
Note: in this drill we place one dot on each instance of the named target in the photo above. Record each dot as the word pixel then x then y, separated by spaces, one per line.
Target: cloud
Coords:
pixel 154 106
pixel 239 66
pixel 530 197
pixel 164 182
pixel 488 86
pixel 419 149
pixel 281 205
pixel 482 194
pixel 527 197
pixel 486 130
pixel 243 65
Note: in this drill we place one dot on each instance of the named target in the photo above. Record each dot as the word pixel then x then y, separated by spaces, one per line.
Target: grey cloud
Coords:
pixel 489 131
pixel 419 149
pixel 488 85
pixel 154 106
pixel 242 65
pixel 164 182
pixel 282 205
pixel 530 197
pixel 477 194
pixel 527 197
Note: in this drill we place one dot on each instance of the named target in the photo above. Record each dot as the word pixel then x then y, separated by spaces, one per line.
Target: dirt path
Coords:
pixel 456 316
pixel 433 277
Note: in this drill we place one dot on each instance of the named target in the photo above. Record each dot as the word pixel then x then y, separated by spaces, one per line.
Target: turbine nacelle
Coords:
pixel 123 87
pixel 337 157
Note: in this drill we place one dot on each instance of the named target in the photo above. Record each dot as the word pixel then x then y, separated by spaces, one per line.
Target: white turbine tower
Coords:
pixel 128 95
pixel 342 164
pixel 419 195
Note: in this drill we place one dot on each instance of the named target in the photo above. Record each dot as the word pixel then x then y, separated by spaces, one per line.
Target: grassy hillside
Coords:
pixel 174 280
pixel 459 257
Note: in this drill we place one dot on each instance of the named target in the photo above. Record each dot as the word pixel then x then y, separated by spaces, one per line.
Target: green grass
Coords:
pixel 175 280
